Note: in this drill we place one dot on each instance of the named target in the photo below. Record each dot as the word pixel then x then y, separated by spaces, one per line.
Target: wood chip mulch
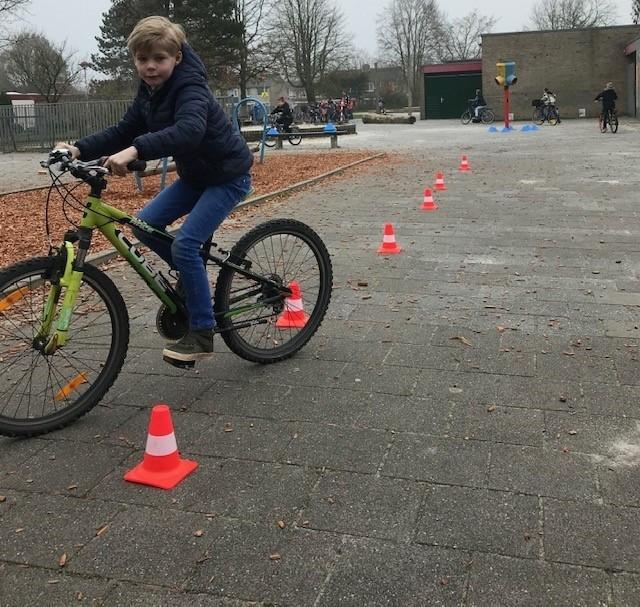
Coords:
pixel 22 214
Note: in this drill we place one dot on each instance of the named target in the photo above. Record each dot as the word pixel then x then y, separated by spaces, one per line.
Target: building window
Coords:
pixel 370 87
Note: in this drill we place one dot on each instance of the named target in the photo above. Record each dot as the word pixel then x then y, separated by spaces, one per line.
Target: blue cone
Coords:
pixel 526 128
pixel 506 129
pixel 492 129
pixel 535 127
pixel 272 131
pixel 330 128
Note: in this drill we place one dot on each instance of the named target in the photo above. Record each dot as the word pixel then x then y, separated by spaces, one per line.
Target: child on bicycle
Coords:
pixel 608 97
pixel 175 114
pixel 283 114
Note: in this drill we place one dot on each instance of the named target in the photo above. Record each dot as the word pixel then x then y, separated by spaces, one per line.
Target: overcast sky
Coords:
pixel 58 19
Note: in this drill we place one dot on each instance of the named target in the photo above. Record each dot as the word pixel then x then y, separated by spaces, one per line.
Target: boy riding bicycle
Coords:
pixel 608 97
pixel 175 114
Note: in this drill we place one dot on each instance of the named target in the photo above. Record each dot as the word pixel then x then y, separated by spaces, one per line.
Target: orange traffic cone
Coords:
pixel 440 181
pixel 464 167
pixel 293 316
pixel 161 466
pixel 428 204
pixel 389 245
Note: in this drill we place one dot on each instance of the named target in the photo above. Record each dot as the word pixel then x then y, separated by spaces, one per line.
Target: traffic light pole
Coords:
pixel 505 98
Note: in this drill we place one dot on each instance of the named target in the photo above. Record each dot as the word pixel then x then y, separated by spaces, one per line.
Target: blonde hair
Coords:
pixel 156 32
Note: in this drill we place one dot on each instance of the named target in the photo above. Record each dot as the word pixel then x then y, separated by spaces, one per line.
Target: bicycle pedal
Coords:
pixel 180 364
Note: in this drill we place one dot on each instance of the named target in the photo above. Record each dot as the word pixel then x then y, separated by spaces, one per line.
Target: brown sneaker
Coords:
pixel 195 345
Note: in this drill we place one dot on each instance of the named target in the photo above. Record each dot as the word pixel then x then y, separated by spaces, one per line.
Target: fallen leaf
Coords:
pixel 491 408
pixel 282 524
pixel 362 283
pixel 501 329
pixel 573 432
pixel 3 498
pixel 62 561
pixel 562 399
pixel 228 427
pixel 72 487
pixel 463 339
pixel 199 533
pixel 102 530
pixel 569 353
pixel 275 556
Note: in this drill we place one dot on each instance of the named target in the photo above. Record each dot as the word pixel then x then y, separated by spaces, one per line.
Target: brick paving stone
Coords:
pixel 427 458
pixel 134 595
pixel 377 574
pixel 153 546
pixel 40 528
pixel 540 472
pixel 587 533
pixel 24 585
pixel 526 583
pixel 276 566
pixel 365 505
pixel 478 519
pixel 626 589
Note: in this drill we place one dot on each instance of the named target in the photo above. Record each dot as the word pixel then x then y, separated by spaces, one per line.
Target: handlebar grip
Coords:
pixel 137 165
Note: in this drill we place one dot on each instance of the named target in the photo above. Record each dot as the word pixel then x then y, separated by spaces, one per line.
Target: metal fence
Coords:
pixel 37 126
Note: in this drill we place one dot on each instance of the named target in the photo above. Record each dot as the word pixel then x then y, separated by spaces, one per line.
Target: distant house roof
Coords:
pixel 453 67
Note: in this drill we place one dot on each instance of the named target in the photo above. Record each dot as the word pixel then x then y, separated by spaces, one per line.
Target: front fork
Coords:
pixel 69 278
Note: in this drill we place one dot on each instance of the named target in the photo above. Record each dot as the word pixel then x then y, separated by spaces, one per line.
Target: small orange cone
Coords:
pixel 428 204
pixel 389 245
pixel 464 167
pixel 161 466
pixel 293 316
pixel 440 186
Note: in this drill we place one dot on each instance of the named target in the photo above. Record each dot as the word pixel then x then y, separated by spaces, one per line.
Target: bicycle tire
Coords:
pixel 487 117
pixel 269 142
pixel 602 123
pixel 295 138
pixel 275 237
pixel 613 123
pixel 552 117
pixel 538 116
pixel 466 117
pixel 25 366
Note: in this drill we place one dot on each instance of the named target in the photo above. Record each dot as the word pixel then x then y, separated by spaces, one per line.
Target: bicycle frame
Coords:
pixel 107 219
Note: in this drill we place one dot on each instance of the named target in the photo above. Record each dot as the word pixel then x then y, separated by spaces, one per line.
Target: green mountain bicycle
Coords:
pixel 64 326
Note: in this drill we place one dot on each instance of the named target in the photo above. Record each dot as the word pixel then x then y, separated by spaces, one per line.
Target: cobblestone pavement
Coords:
pixel 462 431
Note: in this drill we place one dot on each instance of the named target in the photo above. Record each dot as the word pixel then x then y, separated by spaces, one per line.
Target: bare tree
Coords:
pixel 252 60
pixel 8 10
pixel 572 14
pixel 307 39
pixel 409 32
pixel 461 37
pixel 32 62
pixel 635 11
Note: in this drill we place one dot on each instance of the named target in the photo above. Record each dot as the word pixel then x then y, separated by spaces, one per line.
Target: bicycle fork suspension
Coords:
pixel 69 278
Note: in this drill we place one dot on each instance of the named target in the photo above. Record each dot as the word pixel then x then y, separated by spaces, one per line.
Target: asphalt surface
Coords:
pixel 463 430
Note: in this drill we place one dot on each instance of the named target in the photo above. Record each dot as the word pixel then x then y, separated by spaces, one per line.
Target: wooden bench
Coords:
pixel 280 137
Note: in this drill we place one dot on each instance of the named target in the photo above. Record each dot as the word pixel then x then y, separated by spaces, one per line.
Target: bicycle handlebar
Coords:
pixel 83 170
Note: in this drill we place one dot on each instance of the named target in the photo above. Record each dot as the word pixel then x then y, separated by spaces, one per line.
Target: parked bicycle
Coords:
pixel 544 112
pixel 294 137
pixel 64 326
pixel 485 115
pixel 609 119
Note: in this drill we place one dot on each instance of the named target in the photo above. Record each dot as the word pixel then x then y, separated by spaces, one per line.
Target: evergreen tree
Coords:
pixel 635 11
pixel 209 26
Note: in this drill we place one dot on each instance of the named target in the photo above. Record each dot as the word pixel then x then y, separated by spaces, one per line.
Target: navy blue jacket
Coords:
pixel 180 119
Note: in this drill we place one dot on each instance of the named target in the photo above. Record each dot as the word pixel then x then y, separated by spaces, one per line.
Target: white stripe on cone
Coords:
pixel 388 238
pixel 161 445
pixel 294 305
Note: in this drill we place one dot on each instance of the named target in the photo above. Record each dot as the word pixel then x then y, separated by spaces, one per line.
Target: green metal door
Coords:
pixel 446 95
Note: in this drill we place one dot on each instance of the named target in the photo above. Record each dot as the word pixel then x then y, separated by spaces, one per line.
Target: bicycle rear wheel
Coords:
pixel 538 115
pixel 466 117
pixel 487 116
pixel 613 122
pixel 295 138
pixel 552 116
pixel 41 392
pixel 269 141
pixel 603 123
pixel 287 252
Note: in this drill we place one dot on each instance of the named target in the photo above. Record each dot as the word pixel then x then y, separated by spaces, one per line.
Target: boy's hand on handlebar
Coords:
pixel 75 152
pixel 117 163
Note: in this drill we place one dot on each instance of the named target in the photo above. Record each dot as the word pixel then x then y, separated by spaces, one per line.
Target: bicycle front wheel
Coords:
pixel 553 117
pixel 466 117
pixel 538 115
pixel 603 123
pixel 613 123
pixel 42 390
pixel 292 255
pixel 269 141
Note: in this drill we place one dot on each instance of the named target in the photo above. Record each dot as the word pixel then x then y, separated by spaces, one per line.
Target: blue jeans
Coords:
pixel 206 209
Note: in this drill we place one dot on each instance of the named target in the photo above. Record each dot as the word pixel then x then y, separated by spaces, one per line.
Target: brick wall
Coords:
pixel 574 64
